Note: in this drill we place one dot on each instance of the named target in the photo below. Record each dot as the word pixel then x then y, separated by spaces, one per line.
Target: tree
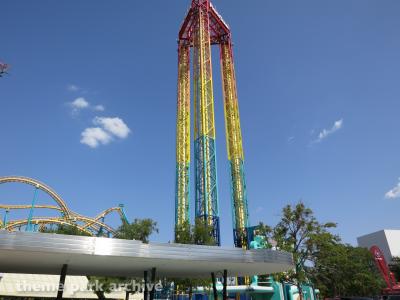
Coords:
pixel 300 233
pixel 65 229
pixel 395 267
pixel 183 233
pixel 139 230
pixel 200 234
pixel 264 230
pixel 345 271
pixel 320 257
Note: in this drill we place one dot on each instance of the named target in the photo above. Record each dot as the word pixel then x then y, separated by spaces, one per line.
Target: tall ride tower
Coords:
pixel 202 28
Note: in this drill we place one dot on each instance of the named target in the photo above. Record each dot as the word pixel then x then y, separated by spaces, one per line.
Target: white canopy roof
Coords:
pixel 40 253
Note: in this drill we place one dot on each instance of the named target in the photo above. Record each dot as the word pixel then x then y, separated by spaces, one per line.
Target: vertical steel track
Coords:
pixel 234 146
pixel 204 124
pixel 202 28
pixel 182 197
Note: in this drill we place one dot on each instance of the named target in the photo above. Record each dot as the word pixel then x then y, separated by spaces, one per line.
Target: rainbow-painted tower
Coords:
pixel 202 28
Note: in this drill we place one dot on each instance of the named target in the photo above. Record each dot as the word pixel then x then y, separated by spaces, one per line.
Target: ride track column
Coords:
pixel 234 146
pixel 182 193
pixel 204 124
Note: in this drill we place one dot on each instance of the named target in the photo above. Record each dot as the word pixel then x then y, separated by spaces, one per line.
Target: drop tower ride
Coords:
pixel 203 28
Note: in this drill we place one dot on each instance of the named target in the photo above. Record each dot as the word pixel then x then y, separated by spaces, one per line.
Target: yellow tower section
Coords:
pixel 183 136
pixel 234 145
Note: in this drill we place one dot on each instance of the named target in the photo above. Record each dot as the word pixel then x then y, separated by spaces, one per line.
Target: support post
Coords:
pixel 61 283
pixel 146 291
pixel 153 281
pixel 28 225
pixel 224 294
pixel 5 218
pixel 214 285
pixel 124 217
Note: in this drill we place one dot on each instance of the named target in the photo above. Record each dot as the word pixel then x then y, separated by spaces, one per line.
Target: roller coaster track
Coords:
pixel 27 206
pixel 104 213
pixel 41 186
pixel 90 222
pixel 110 210
pixel 68 216
pixel 15 224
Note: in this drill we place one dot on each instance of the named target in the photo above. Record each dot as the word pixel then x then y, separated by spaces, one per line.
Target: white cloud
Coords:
pixel 327 132
pixel 115 126
pixel 108 130
pixel 81 103
pixel 93 137
pixel 78 104
pixel 394 192
pixel 73 88
pixel 99 108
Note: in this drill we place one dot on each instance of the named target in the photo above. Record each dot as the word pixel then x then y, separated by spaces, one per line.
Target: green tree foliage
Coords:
pixel 139 230
pixel 300 233
pixel 200 234
pixel 183 233
pixel 320 257
pixel 264 230
pixel 343 270
pixel 395 267
pixel 65 229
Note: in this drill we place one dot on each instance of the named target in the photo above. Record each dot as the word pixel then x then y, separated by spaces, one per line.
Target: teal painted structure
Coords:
pixel 29 225
pixel 125 218
pixel 291 292
pixel 277 291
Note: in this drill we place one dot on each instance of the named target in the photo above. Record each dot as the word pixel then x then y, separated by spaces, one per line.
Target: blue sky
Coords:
pixel 319 99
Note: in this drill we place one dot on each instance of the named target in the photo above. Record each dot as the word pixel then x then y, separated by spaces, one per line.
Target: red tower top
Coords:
pixel 200 2
pixel 219 30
